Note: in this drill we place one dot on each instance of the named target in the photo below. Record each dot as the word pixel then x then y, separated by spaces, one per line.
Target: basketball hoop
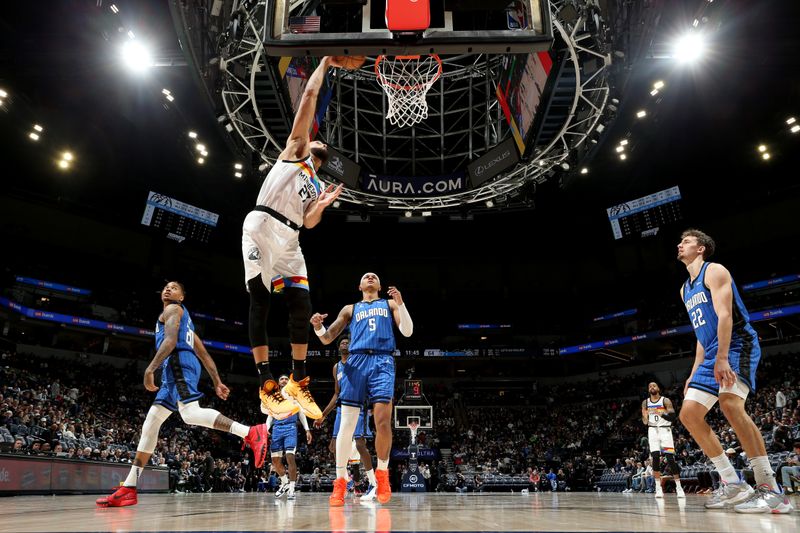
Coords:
pixel 406 80
pixel 413 426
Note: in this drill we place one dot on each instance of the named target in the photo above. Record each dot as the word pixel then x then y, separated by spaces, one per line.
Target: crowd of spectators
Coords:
pixel 563 440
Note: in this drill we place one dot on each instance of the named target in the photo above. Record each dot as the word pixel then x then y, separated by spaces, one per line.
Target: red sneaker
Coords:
pixel 258 440
pixel 384 487
pixel 122 497
pixel 339 490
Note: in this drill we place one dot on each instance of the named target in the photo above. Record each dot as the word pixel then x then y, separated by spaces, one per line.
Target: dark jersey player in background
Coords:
pixel 724 368
pixel 179 352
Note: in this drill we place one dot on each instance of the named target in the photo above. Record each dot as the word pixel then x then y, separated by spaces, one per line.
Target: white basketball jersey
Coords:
pixel 654 412
pixel 290 186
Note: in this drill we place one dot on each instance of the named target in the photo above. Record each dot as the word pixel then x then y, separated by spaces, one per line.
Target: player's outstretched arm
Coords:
pixel 328 335
pixel 400 312
pixel 313 214
pixel 172 324
pixel 211 367
pixel 297 143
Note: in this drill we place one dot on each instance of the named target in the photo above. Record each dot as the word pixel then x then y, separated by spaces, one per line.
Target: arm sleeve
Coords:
pixel 406 326
pixel 303 420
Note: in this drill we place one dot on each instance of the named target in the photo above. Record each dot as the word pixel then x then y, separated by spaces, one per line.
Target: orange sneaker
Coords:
pixel 299 391
pixel 122 497
pixel 258 440
pixel 339 489
pixel 384 487
pixel 274 403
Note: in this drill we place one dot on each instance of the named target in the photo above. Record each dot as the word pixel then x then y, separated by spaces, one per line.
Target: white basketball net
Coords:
pixel 413 426
pixel 406 80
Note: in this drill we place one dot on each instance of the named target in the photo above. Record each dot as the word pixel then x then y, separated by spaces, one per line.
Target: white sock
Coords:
pixel 341 472
pixel 133 476
pixel 372 479
pixel 725 469
pixel 763 473
pixel 284 479
pixel 239 430
pixel 383 464
pixel 678 483
pixel 291 485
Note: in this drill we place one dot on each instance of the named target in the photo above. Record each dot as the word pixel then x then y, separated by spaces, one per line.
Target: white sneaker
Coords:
pixel 729 494
pixel 370 495
pixel 283 489
pixel 659 491
pixel 679 491
pixel 291 495
pixel 764 500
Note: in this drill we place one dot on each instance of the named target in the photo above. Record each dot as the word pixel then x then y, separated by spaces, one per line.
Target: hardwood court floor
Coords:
pixel 406 512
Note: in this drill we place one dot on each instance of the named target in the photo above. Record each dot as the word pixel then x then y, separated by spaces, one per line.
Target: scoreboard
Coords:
pixel 644 216
pixel 180 220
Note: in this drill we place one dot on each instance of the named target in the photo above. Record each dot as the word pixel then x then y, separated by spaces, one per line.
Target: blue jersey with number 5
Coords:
pixel 185 333
pixel 371 328
pixel 700 307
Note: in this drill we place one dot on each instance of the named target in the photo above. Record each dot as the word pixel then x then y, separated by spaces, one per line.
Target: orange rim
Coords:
pixel 395 86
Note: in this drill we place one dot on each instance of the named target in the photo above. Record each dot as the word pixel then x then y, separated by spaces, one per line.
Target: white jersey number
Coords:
pixel 697 318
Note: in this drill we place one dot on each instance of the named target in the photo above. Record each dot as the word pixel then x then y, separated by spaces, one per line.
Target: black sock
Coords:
pixel 264 373
pixel 298 369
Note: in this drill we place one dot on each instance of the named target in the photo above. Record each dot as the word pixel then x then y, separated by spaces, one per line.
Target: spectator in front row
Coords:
pixel 790 474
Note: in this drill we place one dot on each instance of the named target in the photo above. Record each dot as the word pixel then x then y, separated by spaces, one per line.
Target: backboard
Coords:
pixel 405 414
pixel 358 27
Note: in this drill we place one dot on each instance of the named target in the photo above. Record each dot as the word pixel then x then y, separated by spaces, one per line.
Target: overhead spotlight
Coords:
pixel 620 149
pixel 63 164
pixel 489 204
pixel 795 128
pixel 136 56
pixel 408 214
pixel 193 135
pixel 237 174
pixel 114 9
pixel 67 156
pixel 584 170
pixel 659 84
pixel 201 160
pixel 789 121
pixel 200 147
pixel 542 163
pixel 615 101
pixel 565 165
pixel 600 128
pixel 762 148
pixel 204 153
pixel 229 127
pixel 33 136
pixel 641 114
pixel 131 35
pixel 654 92
pixel 765 156
pixel 689 48
pixel 623 157
pixel 426 213
pixel 3 94
pixel 337 204
pixel 38 128
pixel 165 92
pixel 623 142
pixel 237 166
pixel 170 97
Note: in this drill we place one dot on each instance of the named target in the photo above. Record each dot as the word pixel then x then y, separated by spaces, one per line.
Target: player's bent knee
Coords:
pixel 193 414
pixel 656 461
pixel 152 424
pixel 299 304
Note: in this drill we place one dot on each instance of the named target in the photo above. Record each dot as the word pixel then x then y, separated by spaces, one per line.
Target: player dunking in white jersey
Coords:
pixel 291 197
pixel 658 414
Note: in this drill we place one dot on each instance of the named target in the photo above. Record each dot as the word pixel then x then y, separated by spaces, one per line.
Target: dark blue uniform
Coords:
pixel 368 375
pixel 284 435
pixel 180 372
pixel 744 353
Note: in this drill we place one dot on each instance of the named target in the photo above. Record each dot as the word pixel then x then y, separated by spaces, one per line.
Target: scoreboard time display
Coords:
pixel 180 220
pixel 644 216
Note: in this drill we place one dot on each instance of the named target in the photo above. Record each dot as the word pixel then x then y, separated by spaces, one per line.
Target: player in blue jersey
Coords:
pixel 179 353
pixel 368 374
pixel 362 431
pixel 724 369
pixel 284 441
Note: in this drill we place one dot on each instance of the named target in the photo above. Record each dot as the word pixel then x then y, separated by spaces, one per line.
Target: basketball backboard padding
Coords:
pixel 449 32
pixel 408 15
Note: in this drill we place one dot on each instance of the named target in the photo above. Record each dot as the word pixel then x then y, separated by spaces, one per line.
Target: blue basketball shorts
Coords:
pixel 179 379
